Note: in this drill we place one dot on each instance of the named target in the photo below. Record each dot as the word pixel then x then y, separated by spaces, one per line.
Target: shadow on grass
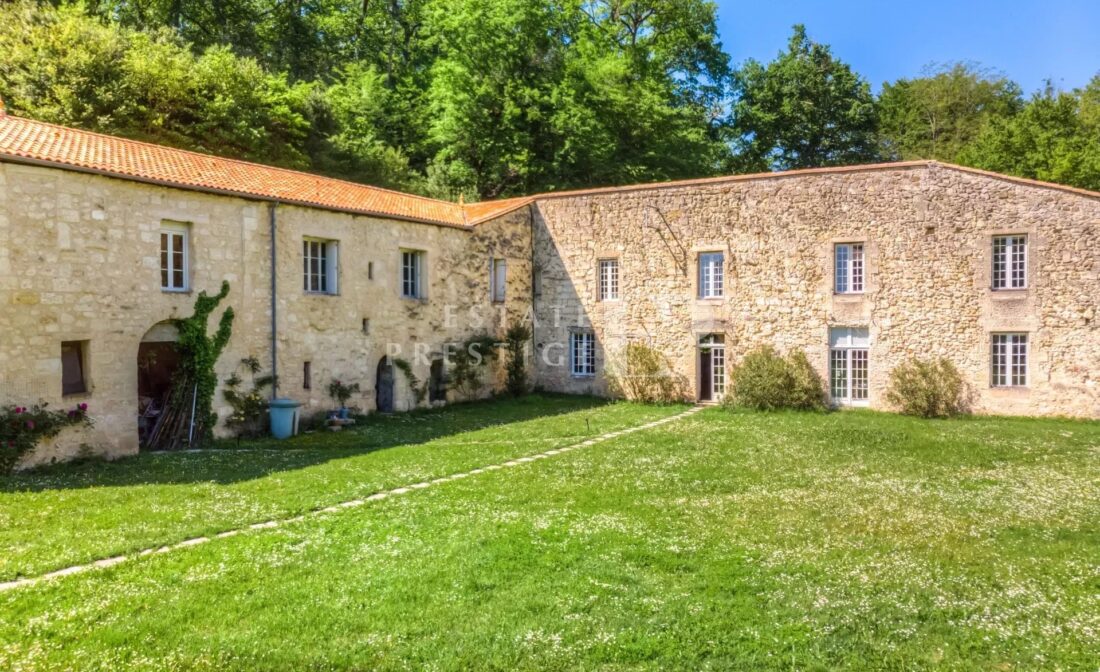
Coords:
pixel 261 457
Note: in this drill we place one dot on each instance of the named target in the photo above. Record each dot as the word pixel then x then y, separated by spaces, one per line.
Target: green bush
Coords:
pixel 515 343
pixel 766 381
pixel 22 428
pixel 928 388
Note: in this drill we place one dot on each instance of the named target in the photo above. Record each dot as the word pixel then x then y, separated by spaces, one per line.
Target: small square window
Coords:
pixel 74 367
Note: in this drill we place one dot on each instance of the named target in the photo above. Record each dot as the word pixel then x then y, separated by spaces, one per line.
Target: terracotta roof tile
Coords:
pixel 38 142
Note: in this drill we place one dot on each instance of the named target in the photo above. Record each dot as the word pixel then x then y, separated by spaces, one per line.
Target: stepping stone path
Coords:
pixel 336 508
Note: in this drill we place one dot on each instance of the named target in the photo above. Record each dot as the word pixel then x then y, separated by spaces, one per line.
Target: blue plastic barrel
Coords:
pixel 282 417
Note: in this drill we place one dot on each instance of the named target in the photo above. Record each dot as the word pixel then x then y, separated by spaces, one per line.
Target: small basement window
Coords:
pixel 73 367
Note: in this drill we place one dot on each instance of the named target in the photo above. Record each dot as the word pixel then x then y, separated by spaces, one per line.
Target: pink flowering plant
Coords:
pixel 23 427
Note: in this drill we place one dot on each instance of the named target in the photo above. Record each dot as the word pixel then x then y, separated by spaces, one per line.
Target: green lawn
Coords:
pixel 783 541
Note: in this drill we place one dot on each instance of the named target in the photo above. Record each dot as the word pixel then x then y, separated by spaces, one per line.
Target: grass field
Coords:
pixel 782 541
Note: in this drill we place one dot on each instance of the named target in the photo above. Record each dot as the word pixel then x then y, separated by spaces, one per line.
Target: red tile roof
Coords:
pixel 36 142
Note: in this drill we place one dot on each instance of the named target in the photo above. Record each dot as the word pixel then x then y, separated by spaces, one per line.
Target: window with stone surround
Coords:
pixel 1010 262
pixel 412 274
pixel 174 257
pixel 609 279
pixel 582 353
pixel 711 275
pixel 848 268
pixel 73 367
pixel 1009 360
pixel 319 259
pixel 848 365
pixel 499 279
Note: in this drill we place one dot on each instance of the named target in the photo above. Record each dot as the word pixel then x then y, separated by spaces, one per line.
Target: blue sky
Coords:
pixel 887 39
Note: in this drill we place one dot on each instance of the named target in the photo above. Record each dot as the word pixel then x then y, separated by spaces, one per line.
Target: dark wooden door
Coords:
pixel 383 388
pixel 706 374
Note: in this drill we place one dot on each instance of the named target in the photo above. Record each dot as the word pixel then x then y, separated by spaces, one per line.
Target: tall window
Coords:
pixel 319 265
pixel 582 353
pixel 499 279
pixel 609 279
pixel 1009 365
pixel 174 258
pixel 848 365
pixel 849 268
pixel 711 275
pixel 73 380
pixel 412 274
pixel 1009 262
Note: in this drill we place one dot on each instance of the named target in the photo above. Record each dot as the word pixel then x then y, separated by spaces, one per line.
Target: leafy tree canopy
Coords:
pixel 937 115
pixel 804 109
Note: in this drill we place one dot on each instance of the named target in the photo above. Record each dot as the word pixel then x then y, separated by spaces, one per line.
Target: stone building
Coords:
pixel 104 240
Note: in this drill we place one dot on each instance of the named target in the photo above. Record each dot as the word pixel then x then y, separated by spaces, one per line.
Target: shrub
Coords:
pixel 249 408
pixel 341 392
pixel 21 428
pixel 515 342
pixel 766 381
pixel 467 363
pixel 928 388
pixel 641 373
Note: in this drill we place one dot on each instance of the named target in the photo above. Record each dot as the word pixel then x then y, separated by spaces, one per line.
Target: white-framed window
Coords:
pixel 175 257
pixel 412 274
pixel 848 268
pixel 499 279
pixel 609 279
pixel 848 365
pixel 319 259
pixel 1010 262
pixel 1009 360
pixel 712 367
pixel 711 275
pixel 582 353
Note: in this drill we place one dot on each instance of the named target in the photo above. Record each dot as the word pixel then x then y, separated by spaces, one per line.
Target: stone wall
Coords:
pixel 79 261
pixel 927 231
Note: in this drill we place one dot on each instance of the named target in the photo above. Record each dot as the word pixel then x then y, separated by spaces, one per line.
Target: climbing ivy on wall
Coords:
pixel 420 391
pixel 188 419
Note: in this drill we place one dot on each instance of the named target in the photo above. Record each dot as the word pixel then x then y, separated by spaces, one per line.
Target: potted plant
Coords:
pixel 340 393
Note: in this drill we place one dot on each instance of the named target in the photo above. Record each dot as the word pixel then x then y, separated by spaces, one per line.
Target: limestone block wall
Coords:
pixel 80 260
pixel 928 236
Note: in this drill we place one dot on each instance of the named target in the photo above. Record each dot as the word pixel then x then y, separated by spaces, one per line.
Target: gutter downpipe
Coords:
pixel 274 316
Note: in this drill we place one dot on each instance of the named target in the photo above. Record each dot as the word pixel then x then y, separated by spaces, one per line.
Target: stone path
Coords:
pixel 350 504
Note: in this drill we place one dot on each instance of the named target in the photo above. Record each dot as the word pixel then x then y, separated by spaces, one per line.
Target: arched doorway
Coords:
pixel 712 367
pixel 383 387
pixel 157 361
pixel 437 382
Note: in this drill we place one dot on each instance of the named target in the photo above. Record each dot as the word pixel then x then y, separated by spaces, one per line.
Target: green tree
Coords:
pixel 1056 137
pixel 64 67
pixel 802 110
pixel 938 114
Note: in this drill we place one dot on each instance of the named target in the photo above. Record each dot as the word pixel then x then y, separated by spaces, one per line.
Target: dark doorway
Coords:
pixel 157 361
pixel 383 388
pixel 437 382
